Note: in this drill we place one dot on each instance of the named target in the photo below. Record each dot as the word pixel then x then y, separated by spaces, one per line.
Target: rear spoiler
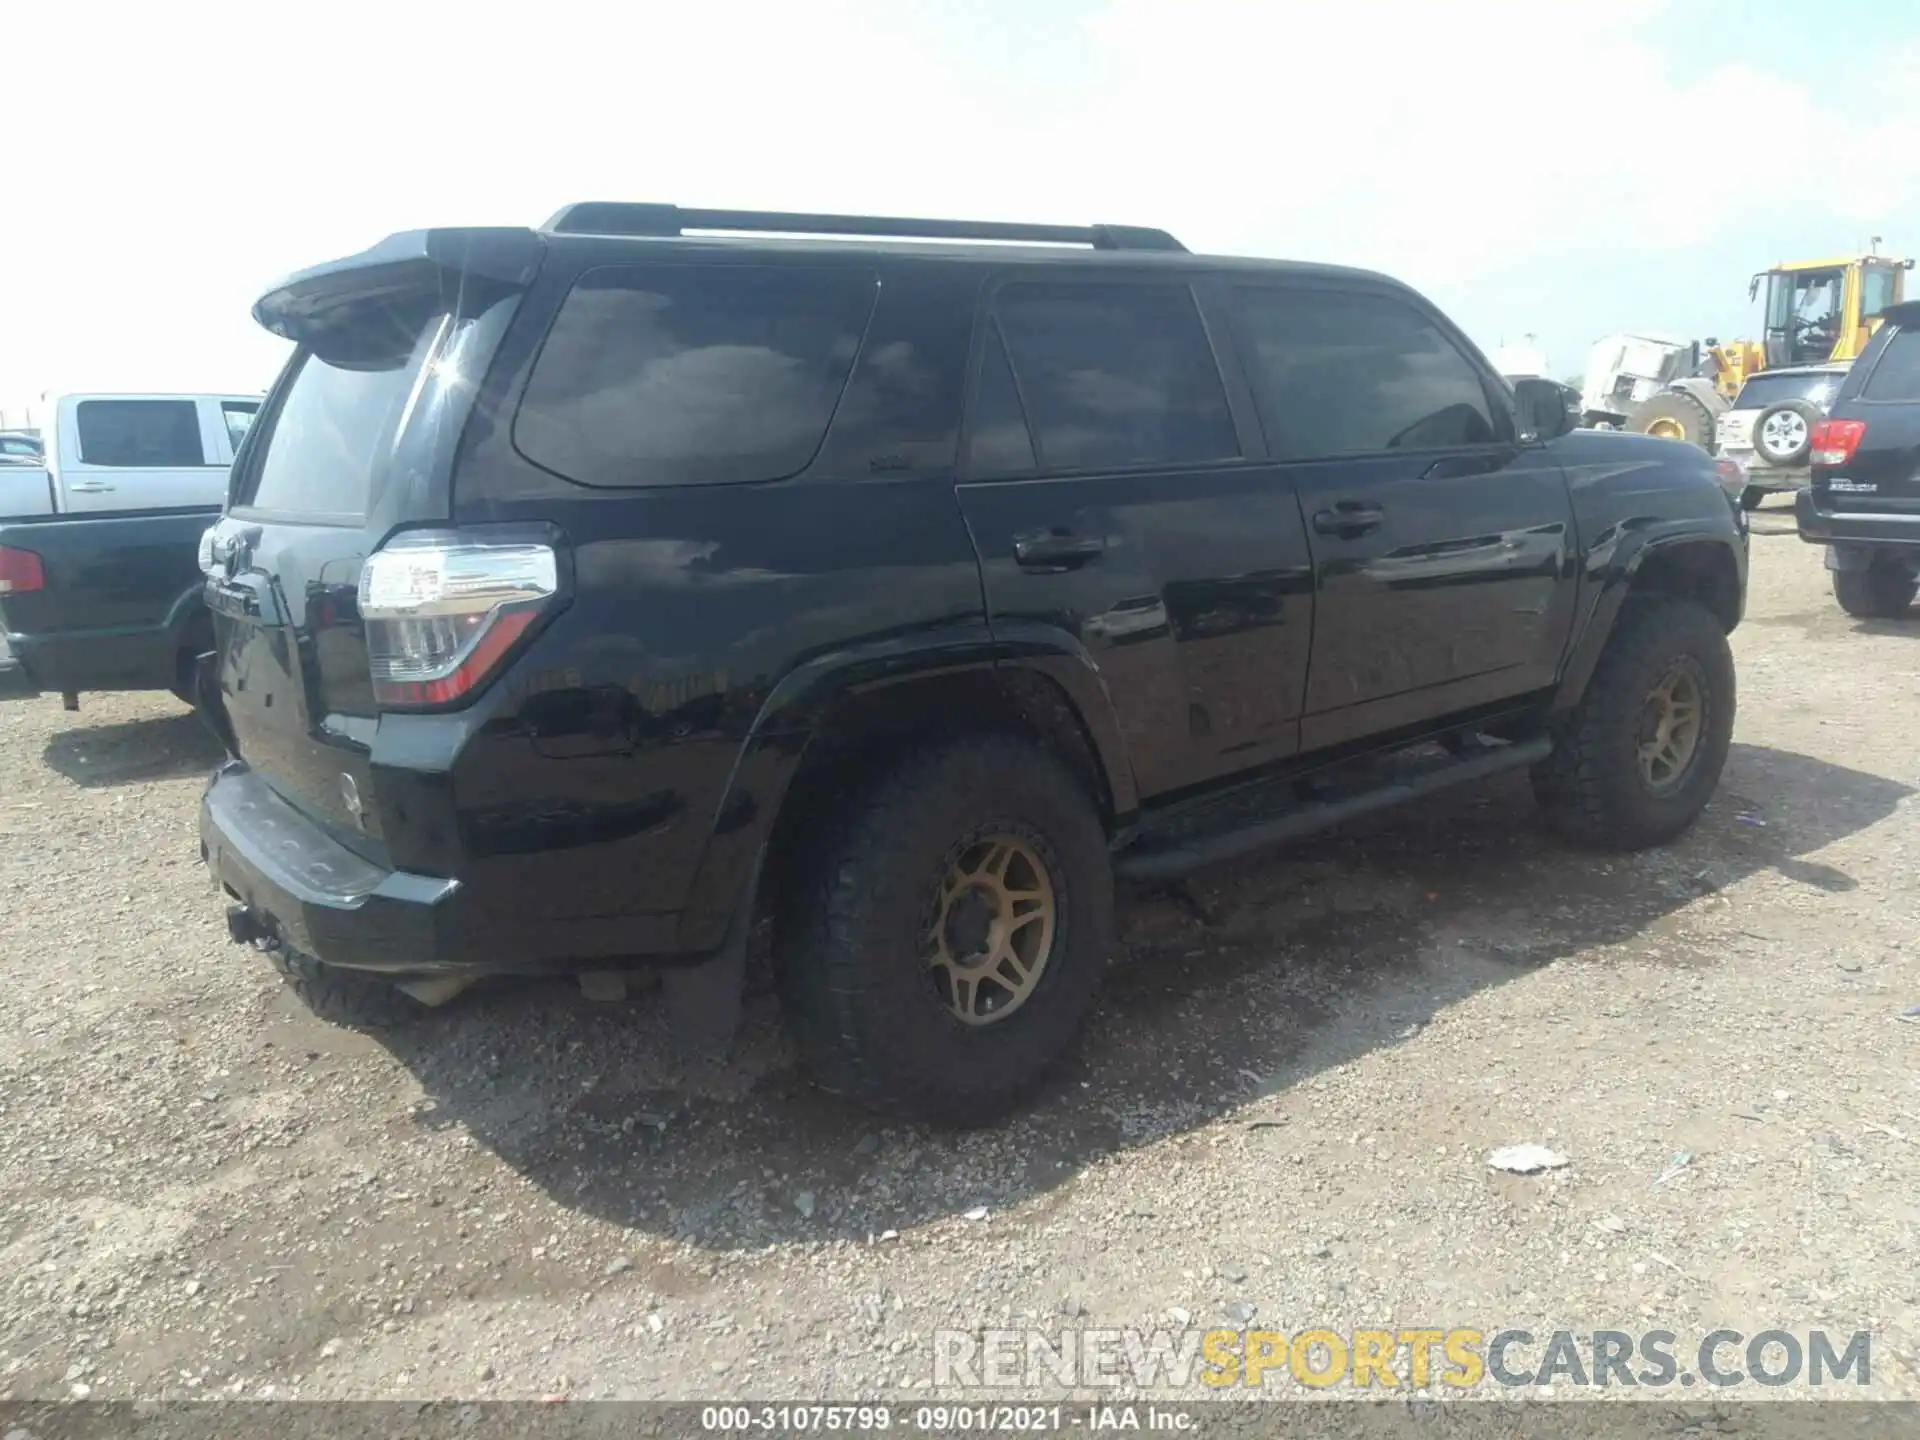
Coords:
pixel 1906 314
pixel 507 256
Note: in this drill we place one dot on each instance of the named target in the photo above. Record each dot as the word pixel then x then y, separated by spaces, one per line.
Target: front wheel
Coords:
pixel 1881 591
pixel 944 935
pixel 1636 761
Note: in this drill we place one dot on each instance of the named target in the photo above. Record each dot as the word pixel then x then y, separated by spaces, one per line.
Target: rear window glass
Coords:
pixel 148 434
pixel 1764 390
pixel 1896 375
pixel 693 375
pixel 337 420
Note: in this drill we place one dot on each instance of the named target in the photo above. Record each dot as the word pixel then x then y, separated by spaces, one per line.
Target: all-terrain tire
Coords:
pixel 1591 788
pixel 1879 592
pixel 347 998
pixel 862 900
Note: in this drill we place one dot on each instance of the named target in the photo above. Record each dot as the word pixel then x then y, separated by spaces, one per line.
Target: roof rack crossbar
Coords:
pixel 606 217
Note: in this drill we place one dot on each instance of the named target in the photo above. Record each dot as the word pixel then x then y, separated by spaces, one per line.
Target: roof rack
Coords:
pixel 610 217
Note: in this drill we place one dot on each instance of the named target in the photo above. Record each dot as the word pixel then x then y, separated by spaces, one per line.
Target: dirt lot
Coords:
pixel 1282 1111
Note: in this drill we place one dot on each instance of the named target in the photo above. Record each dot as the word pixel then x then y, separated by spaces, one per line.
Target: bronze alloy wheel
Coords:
pixel 1670 728
pixel 993 929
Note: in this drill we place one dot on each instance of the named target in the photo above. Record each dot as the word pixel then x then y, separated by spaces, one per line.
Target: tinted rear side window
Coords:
pixel 1114 375
pixel 693 375
pixel 1345 373
pixel 1896 375
pixel 336 422
pixel 999 442
pixel 149 434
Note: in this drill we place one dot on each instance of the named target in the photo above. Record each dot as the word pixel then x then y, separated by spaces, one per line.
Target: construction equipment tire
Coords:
pixel 1674 415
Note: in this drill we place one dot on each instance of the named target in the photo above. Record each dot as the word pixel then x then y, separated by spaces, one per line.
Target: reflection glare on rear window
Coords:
pixel 338 417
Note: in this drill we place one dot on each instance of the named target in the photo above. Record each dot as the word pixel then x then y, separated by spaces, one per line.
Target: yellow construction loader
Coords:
pixel 1816 312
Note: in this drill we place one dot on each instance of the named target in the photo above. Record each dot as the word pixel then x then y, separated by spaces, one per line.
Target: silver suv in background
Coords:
pixel 1769 430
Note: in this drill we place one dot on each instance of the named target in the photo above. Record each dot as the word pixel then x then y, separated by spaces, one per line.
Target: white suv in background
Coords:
pixel 1769 430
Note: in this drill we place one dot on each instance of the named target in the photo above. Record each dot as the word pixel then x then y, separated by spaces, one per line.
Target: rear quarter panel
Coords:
pixel 608 775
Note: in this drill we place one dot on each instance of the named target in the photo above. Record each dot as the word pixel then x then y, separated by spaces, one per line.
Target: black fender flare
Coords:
pixel 798 705
pixel 1617 557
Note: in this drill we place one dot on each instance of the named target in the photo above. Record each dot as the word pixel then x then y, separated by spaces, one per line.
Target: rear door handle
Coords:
pixel 1349 519
pixel 1056 549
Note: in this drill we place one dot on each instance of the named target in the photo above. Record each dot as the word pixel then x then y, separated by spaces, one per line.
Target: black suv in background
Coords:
pixel 586 595
pixel 1864 503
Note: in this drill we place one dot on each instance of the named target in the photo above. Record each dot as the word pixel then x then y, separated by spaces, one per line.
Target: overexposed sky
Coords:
pixel 1533 165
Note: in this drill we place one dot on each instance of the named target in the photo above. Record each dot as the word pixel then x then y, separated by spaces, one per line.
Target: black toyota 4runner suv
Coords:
pixel 1864 503
pixel 586 596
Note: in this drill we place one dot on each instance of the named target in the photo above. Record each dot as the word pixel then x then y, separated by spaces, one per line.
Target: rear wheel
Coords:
pixel 1639 757
pixel 1751 497
pixel 1674 415
pixel 1884 590
pixel 943 935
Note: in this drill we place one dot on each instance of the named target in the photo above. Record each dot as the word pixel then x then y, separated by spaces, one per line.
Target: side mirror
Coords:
pixel 1544 409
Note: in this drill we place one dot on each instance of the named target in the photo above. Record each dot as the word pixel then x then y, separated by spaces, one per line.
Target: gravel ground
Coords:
pixel 1281 1113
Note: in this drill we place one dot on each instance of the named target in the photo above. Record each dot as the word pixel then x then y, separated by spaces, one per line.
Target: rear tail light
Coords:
pixel 442 610
pixel 20 570
pixel 1834 441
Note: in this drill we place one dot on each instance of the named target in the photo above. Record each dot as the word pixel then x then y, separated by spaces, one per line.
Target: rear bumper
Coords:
pixel 1853 527
pixel 299 884
pixel 1760 477
pixel 305 888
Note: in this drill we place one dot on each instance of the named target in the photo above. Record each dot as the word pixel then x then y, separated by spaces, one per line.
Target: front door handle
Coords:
pixel 90 488
pixel 1349 519
pixel 1056 549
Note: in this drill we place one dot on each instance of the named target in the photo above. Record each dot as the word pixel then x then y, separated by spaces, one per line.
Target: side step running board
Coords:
pixel 1145 861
